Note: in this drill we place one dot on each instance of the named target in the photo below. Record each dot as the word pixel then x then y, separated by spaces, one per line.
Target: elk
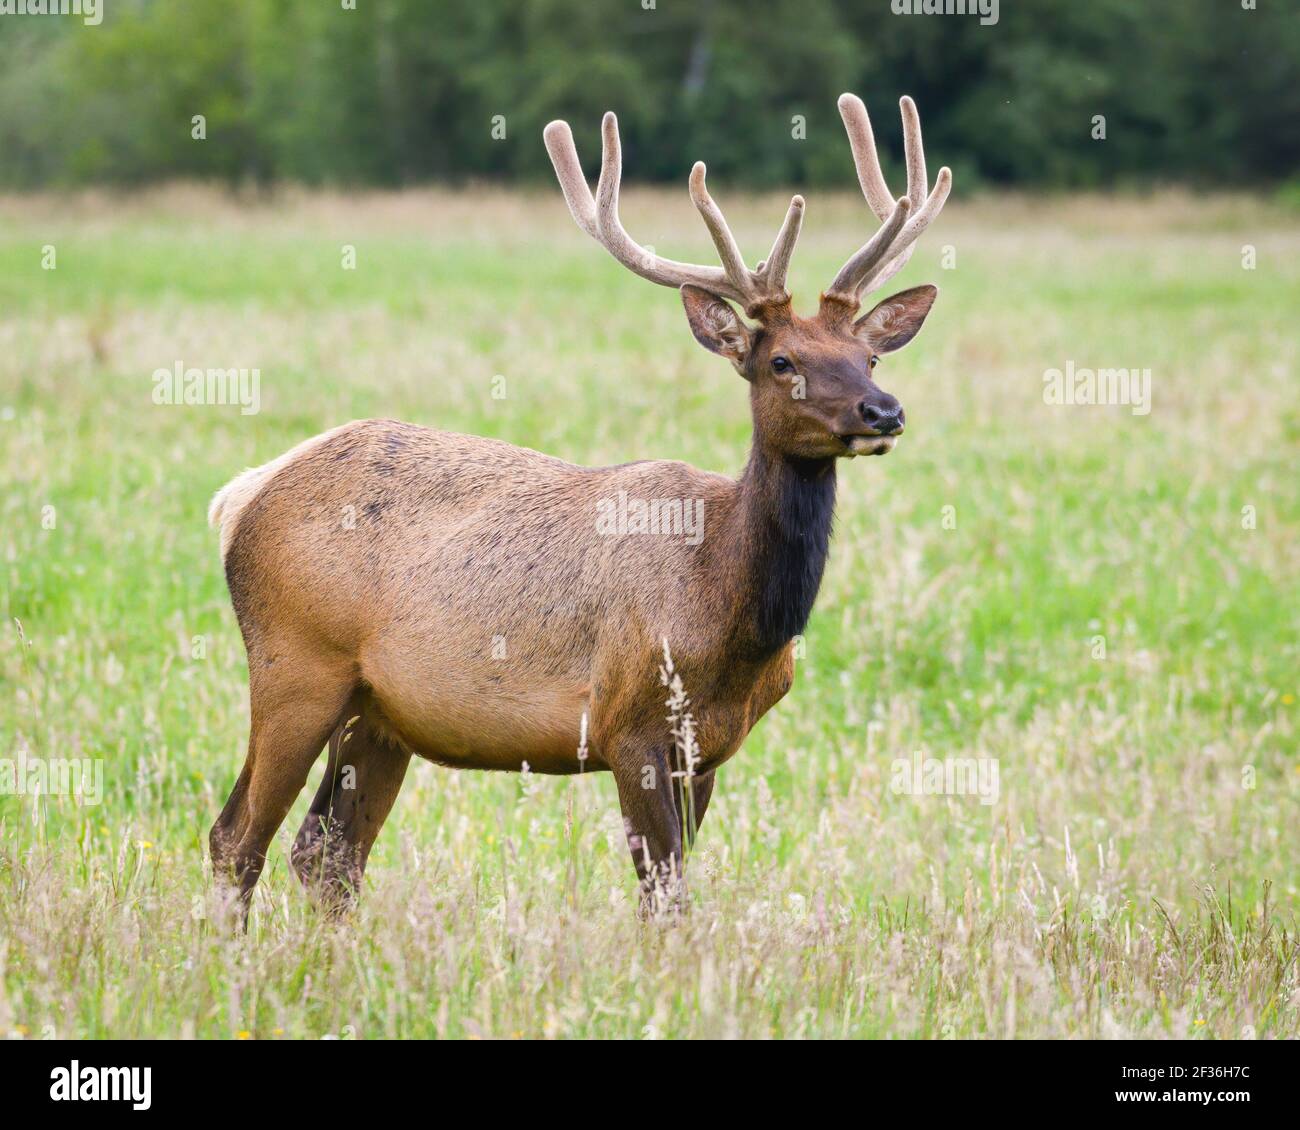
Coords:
pixel 474 613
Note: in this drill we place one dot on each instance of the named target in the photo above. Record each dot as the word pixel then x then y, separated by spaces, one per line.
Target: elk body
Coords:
pixel 474 612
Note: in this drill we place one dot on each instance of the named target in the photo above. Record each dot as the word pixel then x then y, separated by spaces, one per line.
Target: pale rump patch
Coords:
pixel 229 502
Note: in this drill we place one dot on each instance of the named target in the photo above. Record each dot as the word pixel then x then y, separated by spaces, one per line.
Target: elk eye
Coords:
pixel 781 365
pixel 873 362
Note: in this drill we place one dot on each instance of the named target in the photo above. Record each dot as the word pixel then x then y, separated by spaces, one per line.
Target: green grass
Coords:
pixel 824 904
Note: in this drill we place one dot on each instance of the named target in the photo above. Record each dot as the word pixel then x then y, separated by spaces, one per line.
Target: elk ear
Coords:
pixel 896 320
pixel 716 325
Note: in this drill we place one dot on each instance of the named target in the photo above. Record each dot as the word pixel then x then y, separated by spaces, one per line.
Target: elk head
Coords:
pixel 812 380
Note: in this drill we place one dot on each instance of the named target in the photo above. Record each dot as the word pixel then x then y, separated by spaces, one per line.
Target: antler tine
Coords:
pixel 879 260
pixel 773 269
pixel 733 263
pixel 912 230
pixel 913 152
pixel 865 159
pixel 598 217
pixel 869 255
pixel 564 156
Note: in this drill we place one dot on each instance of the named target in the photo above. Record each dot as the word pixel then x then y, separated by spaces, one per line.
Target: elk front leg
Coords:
pixel 647 794
pixel 692 805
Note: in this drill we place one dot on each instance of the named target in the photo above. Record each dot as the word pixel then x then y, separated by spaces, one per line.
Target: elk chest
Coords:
pixel 725 717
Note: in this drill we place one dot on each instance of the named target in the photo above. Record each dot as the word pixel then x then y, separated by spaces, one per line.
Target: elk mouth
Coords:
pixel 872 444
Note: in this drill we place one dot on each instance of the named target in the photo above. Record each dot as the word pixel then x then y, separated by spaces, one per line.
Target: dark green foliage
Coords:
pixel 397 91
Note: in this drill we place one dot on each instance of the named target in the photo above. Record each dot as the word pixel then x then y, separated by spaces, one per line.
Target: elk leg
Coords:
pixel 361 782
pixel 647 794
pixel 296 703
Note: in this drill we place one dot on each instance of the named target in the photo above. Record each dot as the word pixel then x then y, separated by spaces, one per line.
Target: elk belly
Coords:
pixel 487 726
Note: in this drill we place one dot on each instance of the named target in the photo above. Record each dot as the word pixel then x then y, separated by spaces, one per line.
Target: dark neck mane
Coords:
pixel 786 507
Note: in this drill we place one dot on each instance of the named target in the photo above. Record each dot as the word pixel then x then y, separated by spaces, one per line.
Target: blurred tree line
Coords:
pixel 395 91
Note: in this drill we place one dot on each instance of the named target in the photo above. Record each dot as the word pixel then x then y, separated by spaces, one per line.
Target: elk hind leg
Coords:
pixel 296 702
pixel 362 778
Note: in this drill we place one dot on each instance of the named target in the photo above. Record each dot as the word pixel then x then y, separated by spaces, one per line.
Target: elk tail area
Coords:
pixel 233 498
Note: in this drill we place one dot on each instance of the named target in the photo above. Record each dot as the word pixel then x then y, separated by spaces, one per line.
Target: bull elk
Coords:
pixel 475 614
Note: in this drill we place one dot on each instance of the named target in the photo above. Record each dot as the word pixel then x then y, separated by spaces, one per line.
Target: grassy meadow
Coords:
pixel 1103 602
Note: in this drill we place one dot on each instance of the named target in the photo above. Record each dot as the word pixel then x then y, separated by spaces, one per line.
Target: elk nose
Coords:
pixel 884 414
